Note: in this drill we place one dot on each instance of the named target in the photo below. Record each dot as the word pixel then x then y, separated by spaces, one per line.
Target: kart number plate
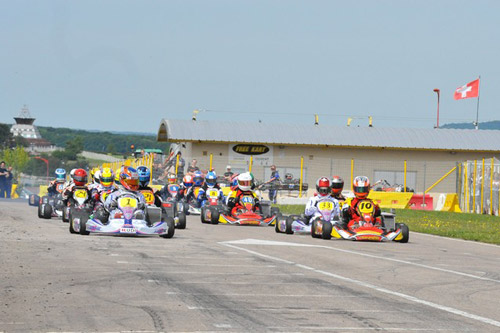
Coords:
pixel 60 187
pixel 247 199
pixel 325 205
pixel 80 194
pixel 127 202
pixel 213 194
pixel 128 230
pixel 366 207
pixel 149 197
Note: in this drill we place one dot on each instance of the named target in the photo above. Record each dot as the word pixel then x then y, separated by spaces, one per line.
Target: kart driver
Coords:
pixel 129 185
pixel 100 193
pixel 209 183
pixel 350 216
pixel 171 180
pixel 324 190
pixel 197 183
pixel 58 182
pixel 244 188
pixel 337 187
pixel 144 177
pixel 79 182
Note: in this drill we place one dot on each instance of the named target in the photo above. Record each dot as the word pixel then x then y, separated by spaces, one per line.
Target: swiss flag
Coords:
pixel 471 89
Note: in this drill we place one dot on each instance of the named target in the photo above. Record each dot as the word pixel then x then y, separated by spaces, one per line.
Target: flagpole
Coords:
pixel 477 112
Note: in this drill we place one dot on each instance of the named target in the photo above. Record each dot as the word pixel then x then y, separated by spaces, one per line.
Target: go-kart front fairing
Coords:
pixel 245 215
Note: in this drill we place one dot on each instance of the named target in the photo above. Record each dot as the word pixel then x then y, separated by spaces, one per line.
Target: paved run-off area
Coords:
pixel 239 279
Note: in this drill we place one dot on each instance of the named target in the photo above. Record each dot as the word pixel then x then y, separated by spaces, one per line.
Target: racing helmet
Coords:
pixel 187 181
pixel 129 178
pixel 198 178
pixel 361 187
pixel 144 175
pixel 97 176
pixel 245 181
pixel 171 178
pixel 211 179
pixel 117 176
pixel 60 175
pixel 72 173
pixel 80 177
pixel 234 180
pixel 323 186
pixel 106 177
pixel 337 185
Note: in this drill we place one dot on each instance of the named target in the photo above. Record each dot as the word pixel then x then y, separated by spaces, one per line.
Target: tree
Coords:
pixel 73 148
pixel 16 158
pixel 5 135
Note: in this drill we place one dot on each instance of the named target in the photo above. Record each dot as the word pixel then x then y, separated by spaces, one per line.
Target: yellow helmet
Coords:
pixel 106 177
pixel 117 175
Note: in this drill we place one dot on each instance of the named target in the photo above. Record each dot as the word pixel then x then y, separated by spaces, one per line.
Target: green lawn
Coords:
pixel 481 228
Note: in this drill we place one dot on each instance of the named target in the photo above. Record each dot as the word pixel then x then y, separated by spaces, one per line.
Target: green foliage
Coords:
pixel 101 142
pixel 475 227
pixel 16 158
pixel 4 135
pixel 73 148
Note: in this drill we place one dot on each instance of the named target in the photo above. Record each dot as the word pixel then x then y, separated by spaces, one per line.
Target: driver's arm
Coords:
pixel 311 206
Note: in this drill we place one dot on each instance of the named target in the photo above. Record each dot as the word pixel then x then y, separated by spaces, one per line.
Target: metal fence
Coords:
pixel 478 186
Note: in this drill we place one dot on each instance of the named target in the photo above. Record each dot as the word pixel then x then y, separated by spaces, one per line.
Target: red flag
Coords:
pixel 471 89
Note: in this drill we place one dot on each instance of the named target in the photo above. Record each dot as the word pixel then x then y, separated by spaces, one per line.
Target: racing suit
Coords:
pixel 203 193
pixel 312 212
pixel 100 194
pixel 350 216
pixel 157 198
pixel 67 195
pixel 52 188
pixel 233 200
pixel 165 194
pixel 189 195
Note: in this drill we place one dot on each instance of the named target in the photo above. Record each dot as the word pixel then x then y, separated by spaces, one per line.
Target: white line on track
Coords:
pixel 261 242
pixel 373 287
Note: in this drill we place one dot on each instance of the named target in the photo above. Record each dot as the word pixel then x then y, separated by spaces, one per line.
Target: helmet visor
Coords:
pixel 244 182
pixel 360 189
pixel 324 190
pixel 337 185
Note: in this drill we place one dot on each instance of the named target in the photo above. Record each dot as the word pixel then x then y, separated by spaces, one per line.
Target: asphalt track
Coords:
pixel 239 279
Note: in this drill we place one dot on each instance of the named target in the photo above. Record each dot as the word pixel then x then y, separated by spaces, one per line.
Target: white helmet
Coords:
pixel 72 173
pixel 97 176
pixel 245 181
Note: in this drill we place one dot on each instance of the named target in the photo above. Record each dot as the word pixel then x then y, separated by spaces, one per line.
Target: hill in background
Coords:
pixel 102 142
pixel 488 125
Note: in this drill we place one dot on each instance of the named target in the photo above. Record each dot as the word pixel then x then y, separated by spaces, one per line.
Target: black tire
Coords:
pixel 47 211
pixel 405 231
pixel 171 228
pixel 65 218
pixel 214 218
pixel 71 228
pixel 40 213
pixel 277 226
pixel 327 230
pixel 202 215
pixel 288 229
pixel 83 223
pixel 182 221
pixel 313 228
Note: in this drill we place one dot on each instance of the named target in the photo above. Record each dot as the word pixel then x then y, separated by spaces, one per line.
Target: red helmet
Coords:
pixel 129 178
pixel 323 186
pixel 361 187
pixel 80 177
pixel 337 185
pixel 172 178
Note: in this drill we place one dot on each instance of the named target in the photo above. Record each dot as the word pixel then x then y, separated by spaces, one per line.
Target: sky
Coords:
pixel 125 65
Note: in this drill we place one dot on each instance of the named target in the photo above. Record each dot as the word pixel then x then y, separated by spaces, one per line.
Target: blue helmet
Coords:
pixel 61 174
pixel 198 178
pixel 144 175
pixel 211 179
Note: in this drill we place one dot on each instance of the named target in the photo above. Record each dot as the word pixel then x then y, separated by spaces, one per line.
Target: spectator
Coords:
pixel 3 179
pixel 170 167
pixel 8 182
pixel 274 181
pixel 193 167
pixel 228 174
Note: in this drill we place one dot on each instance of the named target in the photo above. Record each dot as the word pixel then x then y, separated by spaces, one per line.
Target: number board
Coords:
pixel 149 197
pixel 247 199
pixel 60 187
pixel 366 207
pixel 80 194
pixel 213 193
pixel 325 205
pixel 127 202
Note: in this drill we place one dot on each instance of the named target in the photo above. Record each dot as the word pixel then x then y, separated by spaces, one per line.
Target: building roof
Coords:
pixel 326 135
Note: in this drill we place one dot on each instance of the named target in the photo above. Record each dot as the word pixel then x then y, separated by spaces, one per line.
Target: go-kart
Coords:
pixel 246 214
pixel 81 208
pixel 79 198
pixel 315 226
pixel 212 207
pixel 194 207
pixel 173 207
pixel 368 228
pixel 128 219
pixel 48 205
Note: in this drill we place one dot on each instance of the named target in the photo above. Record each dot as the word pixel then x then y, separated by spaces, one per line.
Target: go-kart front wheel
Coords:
pixel 181 224
pixel 405 231
pixel 171 228
pixel 288 229
pixel 214 216
pixel 47 211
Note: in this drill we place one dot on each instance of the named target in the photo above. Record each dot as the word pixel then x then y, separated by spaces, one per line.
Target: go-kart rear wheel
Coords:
pixel 83 223
pixel 71 227
pixel 47 211
pixel 214 217
pixel 314 226
pixel 289 222
pixel 405 231
pixel 181 224
pixel 40 213
pixel 202 215
pixel 171 228
pixel 65 217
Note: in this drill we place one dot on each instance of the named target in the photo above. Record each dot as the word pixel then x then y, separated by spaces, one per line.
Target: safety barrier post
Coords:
pixel 250 165
pixel 466 192
pixel 482 189
pixel 176 165
pixel 404 190
pixel 352 172
pixel 490 211
pixel 301 175
pixel 210 167
pixel 474 187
